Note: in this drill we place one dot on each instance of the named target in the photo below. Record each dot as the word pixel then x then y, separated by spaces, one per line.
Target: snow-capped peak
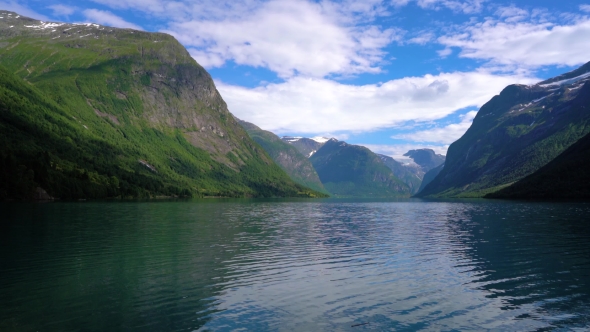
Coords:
pixel 320 139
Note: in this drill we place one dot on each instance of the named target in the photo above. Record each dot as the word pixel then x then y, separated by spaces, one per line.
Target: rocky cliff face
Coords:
pixel 515 134
pixel 143 93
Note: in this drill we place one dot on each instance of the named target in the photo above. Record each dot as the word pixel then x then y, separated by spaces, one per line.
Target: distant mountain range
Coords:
pixel 307 146
pixel 520 138
pixel 409 174
pixel 354 171
pixel 287 156
pixel 426 158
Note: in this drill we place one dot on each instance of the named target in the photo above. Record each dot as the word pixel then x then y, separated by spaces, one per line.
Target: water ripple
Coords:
pixel 319 265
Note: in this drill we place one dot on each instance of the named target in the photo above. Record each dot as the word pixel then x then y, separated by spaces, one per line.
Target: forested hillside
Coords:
pixel 91 111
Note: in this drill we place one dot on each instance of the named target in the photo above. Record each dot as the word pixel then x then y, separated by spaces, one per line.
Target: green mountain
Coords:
pixel 515 134
pixel 296 165
pixel 354 171
pixel 88 111
pixel 408 175
pixel 566 176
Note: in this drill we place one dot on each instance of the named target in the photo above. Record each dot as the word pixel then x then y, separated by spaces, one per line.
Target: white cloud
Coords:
pixel 152 6
pixel 523 44
pixel 444 135
pixel 397 151
pixel 585 8
pixel 62 10
pixel 422 39
pixel 444 52
pixel 467 6
pixel 289 38
pixel 399 3
pixel 308 105
pixel 107 18
pixel 14 6
pixel 512 13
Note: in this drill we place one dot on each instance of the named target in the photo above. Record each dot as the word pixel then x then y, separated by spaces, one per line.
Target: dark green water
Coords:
pixel 307 265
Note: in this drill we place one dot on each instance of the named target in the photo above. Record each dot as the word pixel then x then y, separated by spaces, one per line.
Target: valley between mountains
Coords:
pixel 88 111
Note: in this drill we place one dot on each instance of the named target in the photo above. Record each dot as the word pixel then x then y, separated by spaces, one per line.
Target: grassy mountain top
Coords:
pixel 92 111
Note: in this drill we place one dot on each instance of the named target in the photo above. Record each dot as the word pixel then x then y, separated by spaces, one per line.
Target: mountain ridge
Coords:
pixel 295 164
pixel 514 134
pixel 348 170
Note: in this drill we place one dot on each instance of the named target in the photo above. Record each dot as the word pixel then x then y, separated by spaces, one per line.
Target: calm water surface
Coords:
pixel 321 265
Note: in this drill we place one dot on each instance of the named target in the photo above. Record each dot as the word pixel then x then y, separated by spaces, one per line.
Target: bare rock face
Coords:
pixel 41 195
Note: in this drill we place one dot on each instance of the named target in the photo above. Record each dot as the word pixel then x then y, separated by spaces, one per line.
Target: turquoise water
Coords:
pixel 294 265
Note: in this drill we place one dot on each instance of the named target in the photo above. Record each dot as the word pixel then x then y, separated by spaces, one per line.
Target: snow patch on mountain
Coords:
pixel 291 139
pixel 45 25
pixel 320 139
pixel 567 81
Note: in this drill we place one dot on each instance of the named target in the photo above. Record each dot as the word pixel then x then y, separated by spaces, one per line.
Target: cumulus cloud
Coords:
pixel 523 44
pixel 422 39
pixel 315 105
pixel 441 135
pixel 152 6
pixel 444 52
pixel 397 151
pixel 289 38
pixel 62 10
pixel 107 18
pixel 467 6
pixel 512 13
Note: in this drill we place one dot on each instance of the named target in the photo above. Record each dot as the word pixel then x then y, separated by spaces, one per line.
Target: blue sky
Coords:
pixel 392 75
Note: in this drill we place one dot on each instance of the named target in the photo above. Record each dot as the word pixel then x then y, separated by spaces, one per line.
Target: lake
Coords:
pixel 295 265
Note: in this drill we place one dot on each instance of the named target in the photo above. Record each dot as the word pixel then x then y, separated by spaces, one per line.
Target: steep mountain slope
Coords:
pixel 566 176
pixel 406 174
pixel 296 165
pixel 118 112
pixel 515 134
pixel 354 171
pixel 429 176
pixel 426 158
pixel 307 146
